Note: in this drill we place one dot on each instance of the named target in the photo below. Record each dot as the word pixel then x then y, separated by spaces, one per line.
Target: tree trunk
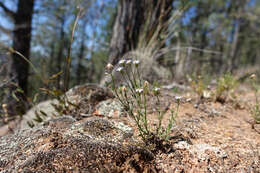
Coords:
pixel 236 38
pixel 80 57
pixel 59 59
pixel 233 52
pixel 19 68
pixel 128 19
pixel 21 42
pixel 179 61
pixel 135 17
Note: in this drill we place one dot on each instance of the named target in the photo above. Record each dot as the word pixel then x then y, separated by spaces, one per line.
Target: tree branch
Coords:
pixel 9 12
pixel 6 31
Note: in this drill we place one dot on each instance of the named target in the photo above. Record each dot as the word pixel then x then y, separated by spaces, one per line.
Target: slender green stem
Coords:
pixel 133 75
pixel 141 131
pixel 139 76
pixel 173 117
pixel 158 130
pixel 145 113
pixel 124 97
pixel 132 89
pixel 130 80
pixel 68 59
pixel 29 62
pixel 115 90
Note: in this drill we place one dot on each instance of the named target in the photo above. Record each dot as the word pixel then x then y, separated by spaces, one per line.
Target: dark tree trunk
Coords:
pixel 238 7
pixel 59 58
pixel 51 61
pixel 126 26
pixel 234 46
pixel 133 18
pixel 19 68
pixel 80 57
pixel 21 42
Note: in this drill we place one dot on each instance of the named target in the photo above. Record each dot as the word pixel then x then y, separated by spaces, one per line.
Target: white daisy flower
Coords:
pixel 139 90
pixel 119 69
pixel 128 62
pixel 122 61
pixel 178 97
pixel 136 62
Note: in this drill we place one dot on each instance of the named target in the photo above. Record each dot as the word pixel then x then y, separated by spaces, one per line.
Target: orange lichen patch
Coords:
pixel 97 113
pixel 43 145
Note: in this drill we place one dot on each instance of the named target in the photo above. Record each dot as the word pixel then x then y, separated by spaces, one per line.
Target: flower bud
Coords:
pixel 146 84
pixel 156 91
pixel 178 98
pixel 123 89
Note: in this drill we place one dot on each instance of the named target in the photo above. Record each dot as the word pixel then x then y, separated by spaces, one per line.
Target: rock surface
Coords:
pixel 66 145
pixel 210 137
pixel 109 108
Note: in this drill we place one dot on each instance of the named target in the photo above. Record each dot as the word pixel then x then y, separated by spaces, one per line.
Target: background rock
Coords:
pixel 110 108
pixel 85 97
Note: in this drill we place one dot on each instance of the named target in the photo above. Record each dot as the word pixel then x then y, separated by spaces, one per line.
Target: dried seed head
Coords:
pixel 4 106
pixel 253 76
pixel 109 67
pixel 146 84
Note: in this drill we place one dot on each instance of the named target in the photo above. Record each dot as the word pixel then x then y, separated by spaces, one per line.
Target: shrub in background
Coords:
pixel 226 85
pixel 255 110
